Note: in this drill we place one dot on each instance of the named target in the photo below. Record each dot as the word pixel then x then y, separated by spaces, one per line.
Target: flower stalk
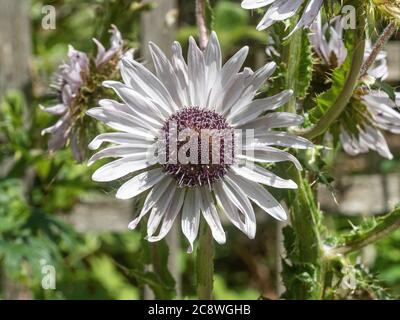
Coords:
pixel 201 23
pixel 205 263
pixel 380 43
pixel 205 250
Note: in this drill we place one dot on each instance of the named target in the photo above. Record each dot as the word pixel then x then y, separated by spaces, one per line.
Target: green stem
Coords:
pixel 308 254
pixel 304 214
pixel 205 251
pixel 291 56
pixel 352 80
pixel 385 226
pixel 205 263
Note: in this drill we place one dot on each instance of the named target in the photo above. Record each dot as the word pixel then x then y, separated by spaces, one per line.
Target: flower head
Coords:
pixel 327 41
pixel 369 111
pixel 72 77
pixel 161 146
pixel 379 114
pixel 280 10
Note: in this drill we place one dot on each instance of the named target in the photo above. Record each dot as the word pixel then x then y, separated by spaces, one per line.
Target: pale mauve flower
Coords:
pixel 201 93
pixel 379 111
pixel 71 77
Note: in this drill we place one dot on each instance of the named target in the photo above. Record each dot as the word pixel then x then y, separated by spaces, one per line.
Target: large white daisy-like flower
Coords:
pixel 200 95
pixel 71 77
pixel 279 10
pixel 369 111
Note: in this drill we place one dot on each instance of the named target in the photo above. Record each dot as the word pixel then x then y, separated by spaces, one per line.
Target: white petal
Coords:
pixel 170 215
pixel 260 196
pixel 246 113
pixel 309 14
pixel 376 141
pixel 137 103
pixel 226 77
pixel 191 216
pixel 274 120
pixel 210 214
pixel 282 139
pixel 166 74
pixel 242 96
pixel 260 175
pixel 120 138
pixel 181 70
pixel 100 51
pixel 230 192
pixel 139 183
pixel 265 154
pixel 350 144
pixel 197 74
pixel 58 109
pixel 145 83
pixel 278 11
pixel 160 210
pixel 121 122
pixel 121 167
pixel 152 198
pixel 213 61
pixel 120 151
pixel 255 4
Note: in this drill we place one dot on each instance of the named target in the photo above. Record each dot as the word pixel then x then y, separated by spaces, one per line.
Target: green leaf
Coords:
pixel 338 79
pixel 387 88
pixel 326 99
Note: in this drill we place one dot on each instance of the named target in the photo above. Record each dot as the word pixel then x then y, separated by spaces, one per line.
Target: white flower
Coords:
pixel 200 94
pixel 378 112
pixel 327 41
pixel 332 49
pixel 379 115
pixel 280 10
pixel 71 77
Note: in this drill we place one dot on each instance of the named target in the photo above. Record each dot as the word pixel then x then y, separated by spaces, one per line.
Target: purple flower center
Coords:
pixel 199 146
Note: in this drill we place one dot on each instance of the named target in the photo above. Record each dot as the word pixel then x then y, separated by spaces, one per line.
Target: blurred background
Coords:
pixel 64 237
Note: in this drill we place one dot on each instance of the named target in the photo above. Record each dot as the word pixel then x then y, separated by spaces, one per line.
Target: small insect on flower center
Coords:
pixel 197 146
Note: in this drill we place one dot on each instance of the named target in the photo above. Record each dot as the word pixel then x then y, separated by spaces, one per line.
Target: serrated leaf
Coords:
pixel 325 100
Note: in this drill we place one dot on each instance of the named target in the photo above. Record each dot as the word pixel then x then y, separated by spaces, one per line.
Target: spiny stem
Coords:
pixel 387 225
pixel 205 263
pixel 201 23
pixel 304 216
pixel 383 38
